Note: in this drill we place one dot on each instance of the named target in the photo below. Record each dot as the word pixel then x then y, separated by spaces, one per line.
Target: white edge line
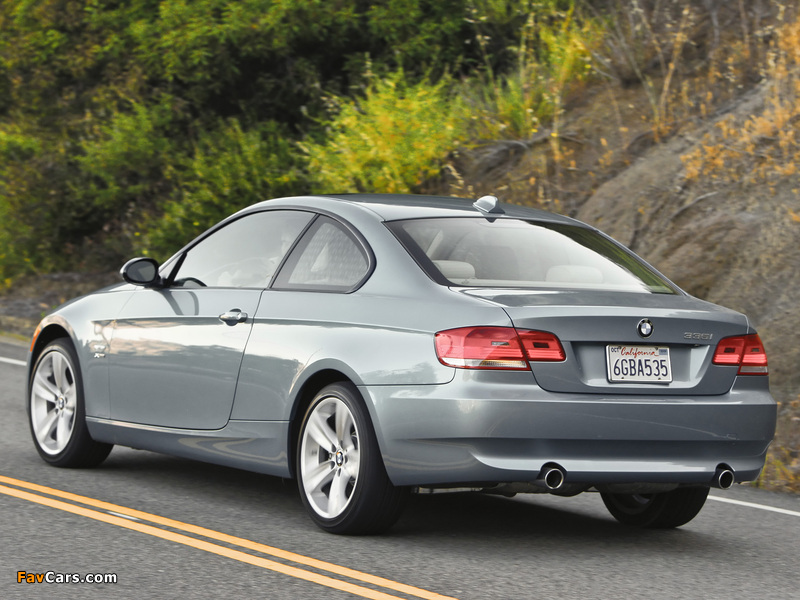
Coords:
pixel 12 361
pixel 116 514
pixel 783 511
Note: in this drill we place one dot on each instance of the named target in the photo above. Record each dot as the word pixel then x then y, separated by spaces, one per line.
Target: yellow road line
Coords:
pixel 200 544
pixel 121 521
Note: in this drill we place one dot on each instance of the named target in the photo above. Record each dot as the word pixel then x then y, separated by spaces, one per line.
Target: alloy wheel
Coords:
pixel 53 402
pixel 330 457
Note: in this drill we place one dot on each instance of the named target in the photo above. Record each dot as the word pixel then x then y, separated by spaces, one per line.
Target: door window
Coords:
pixel 243 254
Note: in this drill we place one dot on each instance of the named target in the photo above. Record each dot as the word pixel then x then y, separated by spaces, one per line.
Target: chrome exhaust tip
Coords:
pixel 553 477
pixel 723 477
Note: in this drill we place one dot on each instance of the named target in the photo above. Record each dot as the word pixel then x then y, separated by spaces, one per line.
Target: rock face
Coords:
pixel 734 244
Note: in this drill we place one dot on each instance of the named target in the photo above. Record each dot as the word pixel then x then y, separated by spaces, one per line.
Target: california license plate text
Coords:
pixel 639 364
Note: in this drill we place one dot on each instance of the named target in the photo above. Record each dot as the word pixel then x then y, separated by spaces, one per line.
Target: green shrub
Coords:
pixel 123 159
pixel 390 140
pixel 230 168
pixel 28 173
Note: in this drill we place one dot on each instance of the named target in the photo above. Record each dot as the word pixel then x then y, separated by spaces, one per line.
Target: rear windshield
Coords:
pixel 476 252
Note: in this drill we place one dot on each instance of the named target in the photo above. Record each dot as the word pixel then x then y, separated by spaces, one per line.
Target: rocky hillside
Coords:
pixel 734 244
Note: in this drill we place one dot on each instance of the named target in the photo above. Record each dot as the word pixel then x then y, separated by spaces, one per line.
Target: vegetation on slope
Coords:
pixel 131 127
pixel 112 113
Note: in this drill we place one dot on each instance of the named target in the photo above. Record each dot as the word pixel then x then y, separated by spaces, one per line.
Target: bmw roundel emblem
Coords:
pixel 645 328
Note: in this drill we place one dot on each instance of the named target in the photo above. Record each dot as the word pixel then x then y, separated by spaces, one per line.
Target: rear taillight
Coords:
pixel 541 346
pixel 496 348
pixel 745 351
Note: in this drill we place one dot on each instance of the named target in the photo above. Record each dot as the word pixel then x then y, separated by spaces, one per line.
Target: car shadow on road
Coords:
pixel 484 513
pixel 177 475
pixel 459 515
pixel 533 518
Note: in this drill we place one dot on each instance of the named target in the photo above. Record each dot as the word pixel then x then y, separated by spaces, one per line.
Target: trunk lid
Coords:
pixel 587 323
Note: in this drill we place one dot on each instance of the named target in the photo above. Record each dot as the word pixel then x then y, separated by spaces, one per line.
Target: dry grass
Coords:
pixel 657 70
pixel 766 145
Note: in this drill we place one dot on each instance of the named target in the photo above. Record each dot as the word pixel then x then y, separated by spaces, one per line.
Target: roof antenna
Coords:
pixel 488 205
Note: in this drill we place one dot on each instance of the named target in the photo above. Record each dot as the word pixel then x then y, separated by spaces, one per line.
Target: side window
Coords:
pixel 328 258
pixel 244 253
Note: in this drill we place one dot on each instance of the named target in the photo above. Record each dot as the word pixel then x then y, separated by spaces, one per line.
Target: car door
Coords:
pixel 176 351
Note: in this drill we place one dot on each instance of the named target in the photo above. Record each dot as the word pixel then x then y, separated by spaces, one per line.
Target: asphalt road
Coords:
pixel 458 546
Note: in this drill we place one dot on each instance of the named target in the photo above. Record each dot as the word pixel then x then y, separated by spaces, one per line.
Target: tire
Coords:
pixel 343 483
pixel 657 511
pixel 56 410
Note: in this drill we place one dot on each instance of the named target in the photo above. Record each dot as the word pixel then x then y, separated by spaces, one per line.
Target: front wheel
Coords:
pixel 56 411
pixel 664 510
pixel 340 473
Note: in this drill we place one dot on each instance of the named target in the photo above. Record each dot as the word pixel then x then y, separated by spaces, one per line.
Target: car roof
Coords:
pixel 393 207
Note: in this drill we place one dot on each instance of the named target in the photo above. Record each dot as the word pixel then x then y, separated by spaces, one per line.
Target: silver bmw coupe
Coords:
pixel 371 346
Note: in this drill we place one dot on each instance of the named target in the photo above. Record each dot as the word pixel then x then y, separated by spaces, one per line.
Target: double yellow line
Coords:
pixel 129 518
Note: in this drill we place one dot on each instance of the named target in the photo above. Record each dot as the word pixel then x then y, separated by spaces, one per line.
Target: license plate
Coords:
pixel 638 364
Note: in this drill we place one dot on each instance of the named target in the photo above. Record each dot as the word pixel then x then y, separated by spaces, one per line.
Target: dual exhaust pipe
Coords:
pixel 553 476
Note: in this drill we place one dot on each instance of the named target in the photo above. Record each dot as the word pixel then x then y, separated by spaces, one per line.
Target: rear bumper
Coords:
pixel 493 427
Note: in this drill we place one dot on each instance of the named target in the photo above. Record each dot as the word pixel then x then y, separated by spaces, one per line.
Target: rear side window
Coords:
pixel 329 258
pixel 476 252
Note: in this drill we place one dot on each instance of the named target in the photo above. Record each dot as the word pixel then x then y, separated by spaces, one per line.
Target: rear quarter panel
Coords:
pixel 371 339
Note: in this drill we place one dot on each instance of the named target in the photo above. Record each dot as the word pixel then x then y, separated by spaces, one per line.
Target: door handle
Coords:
pixel 233 316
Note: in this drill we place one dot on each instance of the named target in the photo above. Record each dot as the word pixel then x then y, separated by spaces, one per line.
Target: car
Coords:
pixel 371 346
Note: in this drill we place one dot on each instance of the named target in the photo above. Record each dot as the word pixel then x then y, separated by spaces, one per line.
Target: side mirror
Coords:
pixel 141 271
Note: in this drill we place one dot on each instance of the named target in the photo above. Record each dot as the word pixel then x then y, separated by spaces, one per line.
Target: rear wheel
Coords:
pixel 56 411
pixel 657 511
pixel 340 473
